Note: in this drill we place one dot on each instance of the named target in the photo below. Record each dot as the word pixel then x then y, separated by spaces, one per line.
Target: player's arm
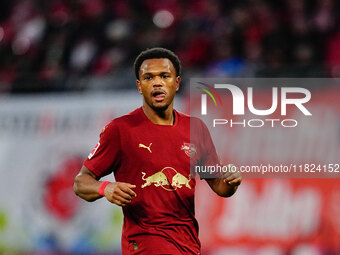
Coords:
pixel 87 185
pixel 227 185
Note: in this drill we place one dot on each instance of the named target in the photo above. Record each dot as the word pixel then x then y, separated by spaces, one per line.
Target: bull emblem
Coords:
pixel 157 179
pixel 178 180
pixel 160 179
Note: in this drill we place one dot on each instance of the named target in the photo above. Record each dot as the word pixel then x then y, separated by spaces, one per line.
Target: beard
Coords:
pixel 160 108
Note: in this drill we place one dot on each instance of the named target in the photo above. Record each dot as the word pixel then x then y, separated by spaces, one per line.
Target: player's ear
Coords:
pixel 139 86
pixel 178 81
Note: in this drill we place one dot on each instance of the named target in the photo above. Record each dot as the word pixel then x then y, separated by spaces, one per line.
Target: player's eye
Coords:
pixel 165 76
pixel 147 78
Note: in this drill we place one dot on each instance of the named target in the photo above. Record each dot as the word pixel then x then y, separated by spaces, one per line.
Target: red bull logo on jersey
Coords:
pixel 189 149
pixel 179 180
pixel 160 179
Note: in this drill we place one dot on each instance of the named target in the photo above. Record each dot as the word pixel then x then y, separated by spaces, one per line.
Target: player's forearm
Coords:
pixel 86 187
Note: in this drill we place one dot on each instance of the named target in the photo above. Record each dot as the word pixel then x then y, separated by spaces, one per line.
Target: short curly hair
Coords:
pixel 157 53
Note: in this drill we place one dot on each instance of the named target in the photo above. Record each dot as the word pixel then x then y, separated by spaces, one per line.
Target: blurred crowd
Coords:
pixel 80 45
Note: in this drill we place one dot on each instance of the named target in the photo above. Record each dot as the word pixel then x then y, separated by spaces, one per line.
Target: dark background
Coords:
pixel 74 45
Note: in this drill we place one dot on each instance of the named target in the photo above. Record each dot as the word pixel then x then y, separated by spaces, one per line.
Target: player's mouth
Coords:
pixel 158 95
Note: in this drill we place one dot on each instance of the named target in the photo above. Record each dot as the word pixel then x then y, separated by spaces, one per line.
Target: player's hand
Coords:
pixel 120 193
pixel 232 178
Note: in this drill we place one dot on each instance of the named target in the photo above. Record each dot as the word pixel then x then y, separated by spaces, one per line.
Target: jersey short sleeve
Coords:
pixel 209 155
pixel 105 157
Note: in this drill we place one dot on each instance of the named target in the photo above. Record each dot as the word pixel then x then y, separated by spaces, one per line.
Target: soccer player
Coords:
pixel 149 151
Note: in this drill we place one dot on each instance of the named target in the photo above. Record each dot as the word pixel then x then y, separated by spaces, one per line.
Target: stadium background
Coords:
pixel 66 70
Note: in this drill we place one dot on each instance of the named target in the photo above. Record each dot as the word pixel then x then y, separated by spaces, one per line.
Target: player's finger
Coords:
pixel 124 195
pixel 117 202
pixel 120 197
pixel 229 178
pixel 235 175
pixel 124 201
pixel 127 188
pixel 236 181
pixel 131 186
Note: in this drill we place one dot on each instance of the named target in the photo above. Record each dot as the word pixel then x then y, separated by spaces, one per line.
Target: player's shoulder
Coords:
pixel 188 118
pixel 127 119
pixel 182 115
pixel 131 116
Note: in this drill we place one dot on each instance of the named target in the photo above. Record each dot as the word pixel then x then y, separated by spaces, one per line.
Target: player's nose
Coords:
pixel 157 82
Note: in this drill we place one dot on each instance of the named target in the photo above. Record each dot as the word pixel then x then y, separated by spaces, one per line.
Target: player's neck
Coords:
pixel 162 117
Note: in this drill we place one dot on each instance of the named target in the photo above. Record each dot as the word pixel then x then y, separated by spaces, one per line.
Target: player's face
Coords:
pixel 158 83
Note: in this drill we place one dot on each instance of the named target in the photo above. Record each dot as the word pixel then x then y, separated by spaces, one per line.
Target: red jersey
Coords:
pixel 155 158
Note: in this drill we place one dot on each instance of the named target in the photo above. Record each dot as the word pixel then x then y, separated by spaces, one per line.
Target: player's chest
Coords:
pixel 166 147
pixel 159 161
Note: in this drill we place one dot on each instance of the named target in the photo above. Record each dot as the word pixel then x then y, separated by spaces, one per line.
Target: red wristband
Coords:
pixel 102 188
